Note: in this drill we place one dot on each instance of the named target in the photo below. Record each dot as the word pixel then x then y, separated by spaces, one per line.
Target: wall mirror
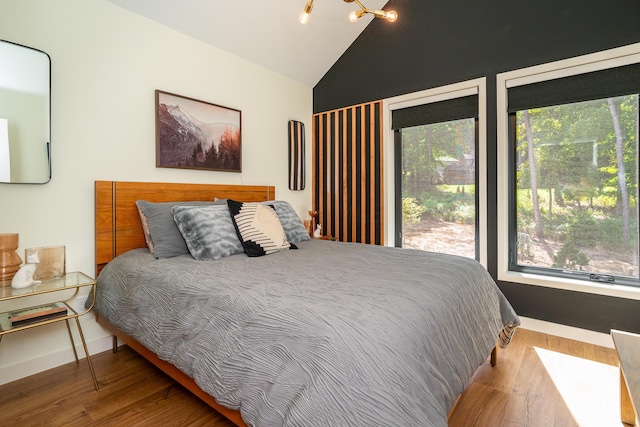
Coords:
pixel 25 115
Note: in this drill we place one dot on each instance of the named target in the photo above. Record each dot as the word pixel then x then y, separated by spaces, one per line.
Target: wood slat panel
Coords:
pixel 348 188
pixel 362 215
pixel 327 213
pixel 354 164
pixel 345 183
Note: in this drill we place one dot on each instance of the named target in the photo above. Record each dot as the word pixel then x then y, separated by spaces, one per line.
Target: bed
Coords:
pixel 329 333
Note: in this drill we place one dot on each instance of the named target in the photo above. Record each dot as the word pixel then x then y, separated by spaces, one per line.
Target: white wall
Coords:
pixel 106 64
pixel 5 161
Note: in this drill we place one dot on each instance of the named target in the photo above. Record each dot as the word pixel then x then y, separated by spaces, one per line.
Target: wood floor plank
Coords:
pixel 606 355
pixel 502 376
pixel 540 381
pixel 533 385
pixel 517 413
pixel 127 398
pixel 489 407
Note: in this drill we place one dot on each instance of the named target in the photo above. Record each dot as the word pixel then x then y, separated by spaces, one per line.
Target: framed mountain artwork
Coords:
pixel 194 134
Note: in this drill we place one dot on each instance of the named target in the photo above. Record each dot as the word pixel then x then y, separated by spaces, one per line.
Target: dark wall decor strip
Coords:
pixel 296 155
pixel 347 172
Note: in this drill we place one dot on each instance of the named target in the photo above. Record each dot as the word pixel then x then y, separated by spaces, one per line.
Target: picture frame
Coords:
pixel 195 134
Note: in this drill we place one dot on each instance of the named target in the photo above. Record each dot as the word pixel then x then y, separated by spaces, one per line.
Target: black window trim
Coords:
pixel 549 271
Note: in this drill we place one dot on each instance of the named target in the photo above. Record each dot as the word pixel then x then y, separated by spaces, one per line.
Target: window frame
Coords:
pixel 574 66
pixel 442 93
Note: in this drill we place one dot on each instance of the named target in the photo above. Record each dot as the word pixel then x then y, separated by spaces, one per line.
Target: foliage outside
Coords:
pixel 438 187
pixel 576 186
pixel 411 211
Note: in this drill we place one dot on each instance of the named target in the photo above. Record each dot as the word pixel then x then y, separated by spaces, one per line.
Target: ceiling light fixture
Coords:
pixel 304 16
pixel 390 15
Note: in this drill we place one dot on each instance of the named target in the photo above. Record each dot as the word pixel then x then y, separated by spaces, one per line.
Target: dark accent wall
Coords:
pixel 439 42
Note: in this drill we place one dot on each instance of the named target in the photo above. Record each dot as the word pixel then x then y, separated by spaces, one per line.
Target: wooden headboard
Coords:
pixel 118 226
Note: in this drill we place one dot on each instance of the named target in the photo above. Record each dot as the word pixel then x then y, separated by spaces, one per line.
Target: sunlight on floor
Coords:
pixel 589 389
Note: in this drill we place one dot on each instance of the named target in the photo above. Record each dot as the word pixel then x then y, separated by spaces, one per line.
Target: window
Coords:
pixel 437 184
pixel 569 165
pixel 446 125
pixel 453 103
pixel 576 189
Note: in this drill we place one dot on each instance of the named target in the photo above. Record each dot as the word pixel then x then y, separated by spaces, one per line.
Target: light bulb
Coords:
pixel 356 14
pixel 392 15
pixel 304 16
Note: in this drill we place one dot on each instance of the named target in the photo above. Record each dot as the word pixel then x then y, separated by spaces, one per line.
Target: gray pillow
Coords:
pixel 164 239
pixel 208 231
pixel 291 222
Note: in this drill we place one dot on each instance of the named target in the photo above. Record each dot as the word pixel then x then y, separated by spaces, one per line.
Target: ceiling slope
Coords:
pixel 266 33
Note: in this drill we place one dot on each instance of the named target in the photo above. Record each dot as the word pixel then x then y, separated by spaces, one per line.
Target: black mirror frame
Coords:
pixel 48 143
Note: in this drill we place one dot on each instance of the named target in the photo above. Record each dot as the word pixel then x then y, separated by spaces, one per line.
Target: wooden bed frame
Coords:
pixel 118 229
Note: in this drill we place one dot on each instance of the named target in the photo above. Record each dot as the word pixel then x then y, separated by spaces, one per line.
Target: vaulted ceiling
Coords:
pixel 266 33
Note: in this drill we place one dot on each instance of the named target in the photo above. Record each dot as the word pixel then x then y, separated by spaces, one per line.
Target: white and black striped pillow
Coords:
pixel 258 228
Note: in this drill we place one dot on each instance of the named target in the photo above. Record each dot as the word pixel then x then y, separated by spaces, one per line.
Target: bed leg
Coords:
pixel 494 356
pixel 115 344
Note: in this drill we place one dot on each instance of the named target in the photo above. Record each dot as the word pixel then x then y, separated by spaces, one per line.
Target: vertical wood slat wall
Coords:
pixel 348 188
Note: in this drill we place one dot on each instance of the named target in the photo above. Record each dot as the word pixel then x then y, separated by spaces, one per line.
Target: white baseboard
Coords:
pixel 578 334
pixel 52 360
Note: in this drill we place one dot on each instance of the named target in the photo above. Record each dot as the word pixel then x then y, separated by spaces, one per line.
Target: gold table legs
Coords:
pixel 86 351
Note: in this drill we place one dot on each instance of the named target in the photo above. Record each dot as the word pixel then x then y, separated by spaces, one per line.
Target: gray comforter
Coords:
pixel 331 334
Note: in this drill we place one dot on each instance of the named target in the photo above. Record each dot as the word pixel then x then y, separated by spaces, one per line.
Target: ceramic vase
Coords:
pixel 10 261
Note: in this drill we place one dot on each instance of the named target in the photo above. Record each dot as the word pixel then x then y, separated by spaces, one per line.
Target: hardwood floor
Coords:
pixel 543 380
pixel 540 380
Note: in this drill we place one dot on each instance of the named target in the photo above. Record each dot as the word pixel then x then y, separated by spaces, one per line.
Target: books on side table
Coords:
pixel 37 314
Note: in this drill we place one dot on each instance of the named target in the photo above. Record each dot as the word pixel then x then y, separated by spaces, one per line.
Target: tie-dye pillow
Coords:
pixel 208 231
pixel 291 222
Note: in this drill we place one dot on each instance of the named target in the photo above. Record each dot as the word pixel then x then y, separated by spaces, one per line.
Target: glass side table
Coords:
pixel 628 348
pixel 65 288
